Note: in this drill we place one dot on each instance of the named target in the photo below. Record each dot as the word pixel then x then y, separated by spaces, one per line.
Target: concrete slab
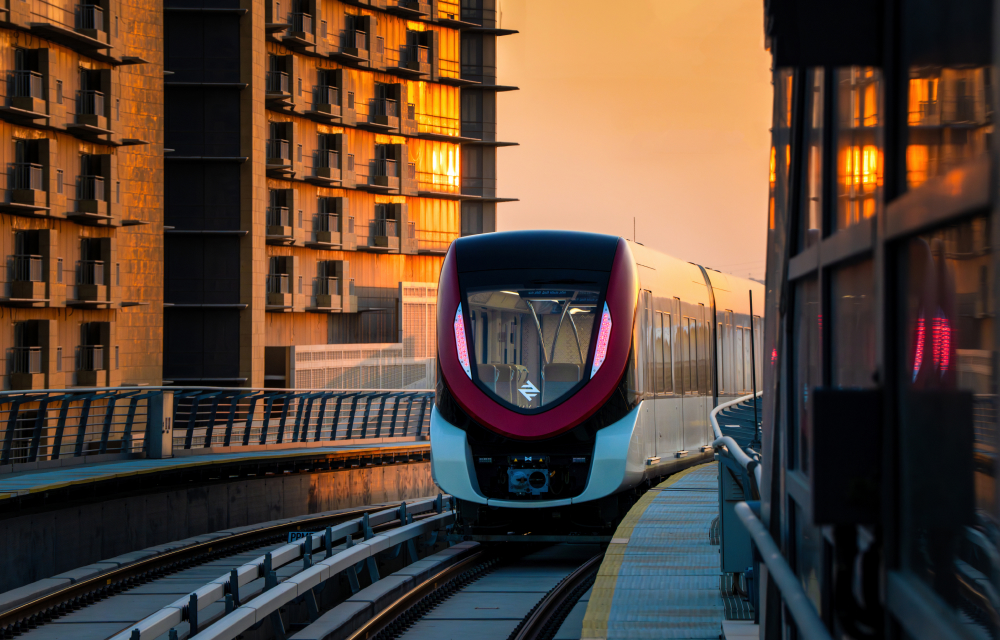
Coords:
pixel 384 592
pixel 485 606
pixel 459 630
pixel 89 571
pixel 29 592
pixel 338 622
pixel 59 630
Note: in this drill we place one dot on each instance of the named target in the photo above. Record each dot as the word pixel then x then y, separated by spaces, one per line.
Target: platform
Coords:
pixel 29 482
pixel 660 576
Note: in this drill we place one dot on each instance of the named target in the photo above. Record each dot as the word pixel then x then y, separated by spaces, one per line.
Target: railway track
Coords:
pixel 105 604
pixel 498 592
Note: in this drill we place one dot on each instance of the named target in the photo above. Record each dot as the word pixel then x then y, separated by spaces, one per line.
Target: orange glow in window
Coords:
pixel 774 167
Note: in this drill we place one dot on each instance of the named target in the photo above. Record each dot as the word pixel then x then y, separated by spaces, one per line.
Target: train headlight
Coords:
pixel 603 337
pixel 460 344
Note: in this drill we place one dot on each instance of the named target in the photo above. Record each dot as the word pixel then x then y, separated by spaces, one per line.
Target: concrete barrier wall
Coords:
pixel 47 543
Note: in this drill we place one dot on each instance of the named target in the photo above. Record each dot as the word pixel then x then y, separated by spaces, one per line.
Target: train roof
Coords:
pixel 536 250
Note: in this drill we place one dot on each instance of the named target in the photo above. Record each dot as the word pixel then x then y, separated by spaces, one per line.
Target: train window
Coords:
pixel 859 144
pixel 534 341
pixel 811 211
pixel 703 348
pixel 659 382
pixel 852 327
pixel 947 407
pixel 689 346
pixel 806 367
pixel 666 321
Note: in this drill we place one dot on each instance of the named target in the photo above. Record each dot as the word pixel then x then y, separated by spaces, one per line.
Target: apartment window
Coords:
pixel 859 144
pixel 300 218
pixel 300 93
pixel 299 152
pixel 59 350
pixel 116 356
pixel 59 181
pixel 117 109
pixel 116 26
pixel 118 274
pixel 59 92
pixel 118 192
pixel 59 270
pixel 300 284
pixel 322 28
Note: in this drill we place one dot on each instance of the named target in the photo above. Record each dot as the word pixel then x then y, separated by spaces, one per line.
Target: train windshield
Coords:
pixel 532 342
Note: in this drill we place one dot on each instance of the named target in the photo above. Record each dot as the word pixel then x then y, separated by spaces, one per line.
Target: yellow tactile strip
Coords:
pixel 80 474
pixel 595 622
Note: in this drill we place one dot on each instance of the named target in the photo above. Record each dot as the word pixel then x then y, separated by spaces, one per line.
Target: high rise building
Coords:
pixel 321 157
pixel 81 206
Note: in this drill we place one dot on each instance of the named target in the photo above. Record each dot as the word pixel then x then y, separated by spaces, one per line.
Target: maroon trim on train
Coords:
pixel 622 297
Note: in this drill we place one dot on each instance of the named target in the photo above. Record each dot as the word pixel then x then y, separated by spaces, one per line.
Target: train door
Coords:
pixel 668 403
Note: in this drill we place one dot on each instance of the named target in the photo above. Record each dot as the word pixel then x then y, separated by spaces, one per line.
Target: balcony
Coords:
pixel 279 156
pixel 279 292
pixel 91 287
pixel 327 296
pixel 302 32
pixel 26 368
pixel 29 186
pixel 91 17
pixel 355 45
pixel 383 114
pixel 91 121
pixel 90 369
pixel 279 225
pixel 327 102
pixel 277 87
pixel 327 169
pixel 385 234
pixel 29 94
pixel 27 283
pixel 414 59
pixel 326 230
pixel 92 204
pixel 385 174
pixel 409 8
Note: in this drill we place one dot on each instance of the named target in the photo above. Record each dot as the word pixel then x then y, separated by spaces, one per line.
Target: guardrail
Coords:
pixel 807 620
pixel 240 616
pixel 51 424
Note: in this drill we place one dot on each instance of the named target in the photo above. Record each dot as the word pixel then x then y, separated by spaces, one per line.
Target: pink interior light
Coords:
pixel 603 337
pixel 460 344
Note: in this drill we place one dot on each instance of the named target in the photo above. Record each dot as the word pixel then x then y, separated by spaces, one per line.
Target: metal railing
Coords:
pixel 92 187
pixel 327 95
pixel 276 82
pixel 302 22
pixel 386 168
pixel 91 272
pixel 329 222
pixel 435 240
pixel 278 149
pixel 357 39
pixel 329 159
pixel 384 107
pixel 279 283
pixel 27 268
pixel 415 53
pixel 385 227
pixel 328 286
pixel 91 17
pixel 91 103
pixel 279 217
pixel 59 423
pixel 26 360
pixel 28 175
pixel 27 84
pixel 322 559
pixel 91 357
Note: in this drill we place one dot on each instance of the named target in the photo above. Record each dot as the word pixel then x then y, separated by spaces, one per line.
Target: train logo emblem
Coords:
pixel 529 391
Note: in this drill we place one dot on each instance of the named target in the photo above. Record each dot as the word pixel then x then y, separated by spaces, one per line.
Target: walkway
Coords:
pixel 660 577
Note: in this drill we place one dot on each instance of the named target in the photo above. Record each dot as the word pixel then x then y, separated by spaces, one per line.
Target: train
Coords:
pixel 574 369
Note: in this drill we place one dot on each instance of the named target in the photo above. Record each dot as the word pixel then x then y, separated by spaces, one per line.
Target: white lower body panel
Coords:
pixel 618 463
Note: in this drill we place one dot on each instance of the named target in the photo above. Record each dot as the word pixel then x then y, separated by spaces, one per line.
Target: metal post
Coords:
pixel 36 436
pixel 109 413
pixel 193 614
pixel 159 425
pixel 753 374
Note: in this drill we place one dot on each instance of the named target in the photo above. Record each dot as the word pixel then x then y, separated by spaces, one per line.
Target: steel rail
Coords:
pixel 388 615
pixel 36 612
pixel 539 619
pixel 810 626
pixel 242 618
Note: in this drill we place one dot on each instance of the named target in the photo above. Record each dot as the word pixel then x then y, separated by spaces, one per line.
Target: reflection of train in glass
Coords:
pixel 574 367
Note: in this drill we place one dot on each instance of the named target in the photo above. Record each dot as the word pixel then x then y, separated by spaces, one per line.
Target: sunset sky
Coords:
pixel 657 109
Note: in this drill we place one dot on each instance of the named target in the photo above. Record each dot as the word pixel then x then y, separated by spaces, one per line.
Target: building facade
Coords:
pixel 81 193
pixel 880 386
pixel 321 156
